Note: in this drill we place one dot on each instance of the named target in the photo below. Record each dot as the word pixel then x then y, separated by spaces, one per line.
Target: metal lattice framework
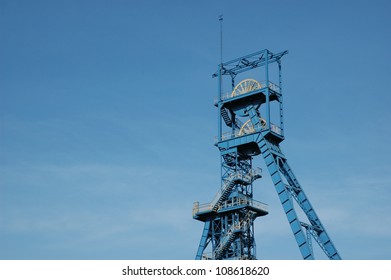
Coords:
pixel 243 134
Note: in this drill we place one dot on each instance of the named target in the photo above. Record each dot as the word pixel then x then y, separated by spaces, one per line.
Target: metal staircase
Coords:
pixel 230 183
pixel 227 119
pixel 243 225
pixel 229 215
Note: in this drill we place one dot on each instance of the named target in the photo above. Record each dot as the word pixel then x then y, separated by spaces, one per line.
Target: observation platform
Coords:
pixel 203 212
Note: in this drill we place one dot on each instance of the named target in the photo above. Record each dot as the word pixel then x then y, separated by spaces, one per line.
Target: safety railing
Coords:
pixel 238 201
pixel 227 183
pixel 249 177
pixel 227 95
pixel 275 129
pixel 255 172
pixel 244 200
pixel 234 134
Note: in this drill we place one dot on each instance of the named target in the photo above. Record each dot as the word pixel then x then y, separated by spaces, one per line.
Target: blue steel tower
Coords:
pixel 250 124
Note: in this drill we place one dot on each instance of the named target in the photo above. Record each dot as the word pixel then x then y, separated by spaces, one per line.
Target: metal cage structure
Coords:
pixel 250 124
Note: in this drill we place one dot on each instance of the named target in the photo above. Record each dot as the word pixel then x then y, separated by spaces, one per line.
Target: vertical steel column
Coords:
pixel 219 132
pixel 267 89
pixel 280 98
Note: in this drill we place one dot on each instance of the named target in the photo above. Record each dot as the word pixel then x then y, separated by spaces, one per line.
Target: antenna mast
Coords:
pixel 221 38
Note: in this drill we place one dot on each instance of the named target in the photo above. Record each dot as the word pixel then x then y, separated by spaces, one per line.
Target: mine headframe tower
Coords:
pixel 251 123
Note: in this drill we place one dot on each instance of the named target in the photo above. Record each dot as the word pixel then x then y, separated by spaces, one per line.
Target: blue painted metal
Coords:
pixel 247 128
pixel 206 234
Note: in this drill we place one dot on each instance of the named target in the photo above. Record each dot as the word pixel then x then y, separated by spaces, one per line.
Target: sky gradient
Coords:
pixel 107 123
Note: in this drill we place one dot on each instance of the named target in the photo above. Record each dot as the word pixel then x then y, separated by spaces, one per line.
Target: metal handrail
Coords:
pixel 275 129
pixel 199 208
pixel 244 200
pixel 250 176
pixel 228 95
pixel 230 135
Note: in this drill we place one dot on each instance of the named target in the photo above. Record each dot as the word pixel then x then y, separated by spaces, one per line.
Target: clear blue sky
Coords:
pixel 107 123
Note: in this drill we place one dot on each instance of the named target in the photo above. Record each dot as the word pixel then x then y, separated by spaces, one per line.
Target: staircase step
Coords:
pixel 227 119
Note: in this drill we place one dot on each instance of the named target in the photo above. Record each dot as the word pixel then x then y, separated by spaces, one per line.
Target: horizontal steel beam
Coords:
pixel 248 62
